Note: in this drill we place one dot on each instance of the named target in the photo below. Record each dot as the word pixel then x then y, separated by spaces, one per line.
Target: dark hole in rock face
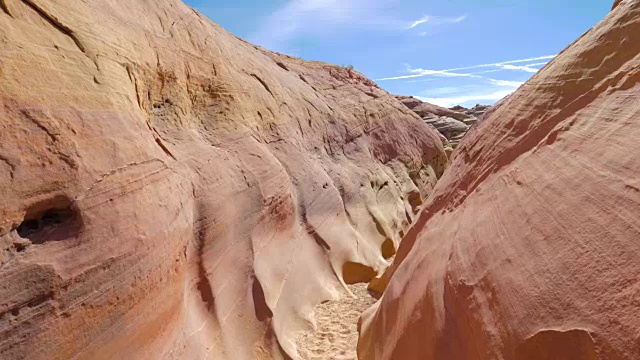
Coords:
pixel 20 247
pixel 415 200
pixel 28 227
pixel 52 220
pixel 388 249
pixel 354 273
pixel 263 312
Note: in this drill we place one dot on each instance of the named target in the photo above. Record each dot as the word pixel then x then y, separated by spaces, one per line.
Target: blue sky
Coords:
pixel 447 52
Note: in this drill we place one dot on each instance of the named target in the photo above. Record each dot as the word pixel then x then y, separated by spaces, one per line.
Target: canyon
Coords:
pixel 171 191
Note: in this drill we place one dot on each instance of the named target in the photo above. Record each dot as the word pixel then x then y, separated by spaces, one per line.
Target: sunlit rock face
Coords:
pixel 528 247
pixel 171 191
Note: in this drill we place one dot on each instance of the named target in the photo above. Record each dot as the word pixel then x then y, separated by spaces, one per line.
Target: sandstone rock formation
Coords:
pixel 425 109
pixel 452 123
pixel 453 130
pixel 171 191
pixel 528 248
pixel 476 112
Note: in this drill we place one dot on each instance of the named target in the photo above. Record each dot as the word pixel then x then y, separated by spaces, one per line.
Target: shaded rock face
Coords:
pixel 528 248
pixel 452 123
pixel 453 130
pixel 171 191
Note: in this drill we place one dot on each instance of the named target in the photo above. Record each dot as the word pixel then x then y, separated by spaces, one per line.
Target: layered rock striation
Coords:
pixel 171 191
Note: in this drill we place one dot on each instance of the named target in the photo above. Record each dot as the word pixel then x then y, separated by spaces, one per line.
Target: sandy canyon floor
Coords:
pixel 336 336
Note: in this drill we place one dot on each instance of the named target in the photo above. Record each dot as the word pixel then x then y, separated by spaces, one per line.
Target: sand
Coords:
pixel 336 336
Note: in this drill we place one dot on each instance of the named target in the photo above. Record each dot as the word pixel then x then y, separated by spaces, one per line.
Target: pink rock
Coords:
pixel 528 248
pixel 170 191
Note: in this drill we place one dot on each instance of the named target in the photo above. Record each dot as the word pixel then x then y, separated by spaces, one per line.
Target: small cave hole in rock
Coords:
pixel 388 249
pixel 415 200
pixel 20 247
pixel 262 310
pixel 54 220
pixel 354 273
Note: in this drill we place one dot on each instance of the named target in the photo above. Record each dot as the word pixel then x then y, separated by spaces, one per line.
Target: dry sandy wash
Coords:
pixel 170 191
pixel 336 333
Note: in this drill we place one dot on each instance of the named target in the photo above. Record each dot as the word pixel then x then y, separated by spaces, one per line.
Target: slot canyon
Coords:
pixel 172 191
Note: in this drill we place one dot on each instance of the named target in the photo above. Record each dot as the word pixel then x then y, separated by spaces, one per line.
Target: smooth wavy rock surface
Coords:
pixel 528 248
pixel 171 191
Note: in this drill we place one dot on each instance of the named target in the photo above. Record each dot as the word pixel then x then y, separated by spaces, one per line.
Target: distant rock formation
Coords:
pixel 170 191
pixel 476 112
pixel 452 123
pixel 528 248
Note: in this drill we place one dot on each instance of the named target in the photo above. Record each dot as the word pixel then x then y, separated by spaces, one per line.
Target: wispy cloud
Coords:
pixel 449 90
pixel 526 68
pixel 437 20
pixel 508 83
pixel 477 97
pixel 416 73
pixel 471 93
pixel 520 68
pixel 505 65
pixel 304 19
pixel 498 64
pixel 488 90
pixel 420 21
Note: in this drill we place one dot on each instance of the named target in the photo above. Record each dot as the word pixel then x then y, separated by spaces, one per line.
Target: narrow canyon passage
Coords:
pixel 336 333
pixel 172 191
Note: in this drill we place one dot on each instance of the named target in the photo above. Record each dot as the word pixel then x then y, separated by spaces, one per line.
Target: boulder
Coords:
pixel 448 126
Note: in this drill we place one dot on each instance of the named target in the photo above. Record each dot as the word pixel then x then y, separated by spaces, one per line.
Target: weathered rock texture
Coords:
pixel 426 109
pixel 528 248
pixel 476 112
pixel 171 191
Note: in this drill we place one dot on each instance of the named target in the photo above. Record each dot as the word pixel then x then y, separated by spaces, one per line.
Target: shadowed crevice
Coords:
pixel 204 287
pixel 388 249
pixel 555 344
pixel 55 23
pixel 264 84
pixel 415 200
pixel 53 219
pixel 5 8
pixel 354 273
pixel 262 310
